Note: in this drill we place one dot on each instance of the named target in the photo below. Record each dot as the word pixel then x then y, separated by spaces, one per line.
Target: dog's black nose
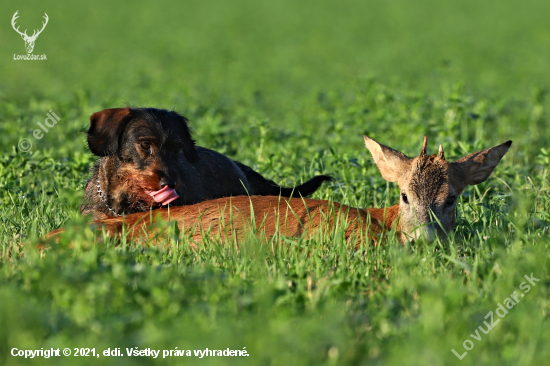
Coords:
pixel 167 182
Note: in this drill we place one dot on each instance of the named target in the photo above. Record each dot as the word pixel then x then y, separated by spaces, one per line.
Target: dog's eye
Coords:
pixel 145 145
pixel 450 201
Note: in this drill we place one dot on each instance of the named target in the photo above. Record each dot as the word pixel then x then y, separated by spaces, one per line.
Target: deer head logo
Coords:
pixel 29 41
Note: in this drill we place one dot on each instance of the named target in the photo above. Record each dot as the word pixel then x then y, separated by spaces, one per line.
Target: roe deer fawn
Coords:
pixel 429 184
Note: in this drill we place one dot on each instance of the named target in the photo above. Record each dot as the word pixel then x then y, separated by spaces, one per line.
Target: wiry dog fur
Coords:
pixel 145 149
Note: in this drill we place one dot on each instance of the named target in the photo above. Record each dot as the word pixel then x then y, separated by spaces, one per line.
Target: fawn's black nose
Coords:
pixel 167 182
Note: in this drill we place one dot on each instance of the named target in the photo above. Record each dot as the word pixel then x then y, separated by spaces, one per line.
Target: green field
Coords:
pixel 288 88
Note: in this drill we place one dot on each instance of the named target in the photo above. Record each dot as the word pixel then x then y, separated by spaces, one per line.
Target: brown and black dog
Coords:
pixel 149 159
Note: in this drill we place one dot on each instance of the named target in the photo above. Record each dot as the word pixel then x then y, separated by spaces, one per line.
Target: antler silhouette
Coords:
pixel 43 26
pixel 29 41
pixel 15 16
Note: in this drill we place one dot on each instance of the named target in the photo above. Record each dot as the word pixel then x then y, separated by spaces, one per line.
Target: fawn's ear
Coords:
pixel 189 150
pixel 391 163
pixel 106 128
pixel 477 167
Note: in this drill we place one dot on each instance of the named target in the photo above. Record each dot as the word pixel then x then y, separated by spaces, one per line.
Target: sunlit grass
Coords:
pixel 288 88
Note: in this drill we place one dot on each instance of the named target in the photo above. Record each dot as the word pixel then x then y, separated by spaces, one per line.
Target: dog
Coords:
pixel 148 159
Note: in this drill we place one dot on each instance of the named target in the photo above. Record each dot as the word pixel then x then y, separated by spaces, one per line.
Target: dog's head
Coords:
pixel 146 143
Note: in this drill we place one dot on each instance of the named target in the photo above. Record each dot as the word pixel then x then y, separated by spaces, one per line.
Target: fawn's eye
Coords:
pixel 450 201
pixel 404 198
pixel 145 145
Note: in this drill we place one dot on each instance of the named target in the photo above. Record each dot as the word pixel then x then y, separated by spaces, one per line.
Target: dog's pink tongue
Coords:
pixel 164 196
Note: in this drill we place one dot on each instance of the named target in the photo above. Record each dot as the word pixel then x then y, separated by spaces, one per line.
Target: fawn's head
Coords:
pixel 430 185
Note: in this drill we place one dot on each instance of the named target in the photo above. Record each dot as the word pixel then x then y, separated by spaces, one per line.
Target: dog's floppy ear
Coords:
pixel 187 139
pixel 106 127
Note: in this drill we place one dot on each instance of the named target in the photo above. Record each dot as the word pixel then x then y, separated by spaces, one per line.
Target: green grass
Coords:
pixel 289 88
